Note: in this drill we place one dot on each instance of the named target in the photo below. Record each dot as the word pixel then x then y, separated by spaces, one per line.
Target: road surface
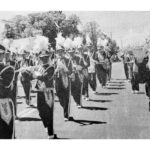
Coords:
pixel 112 113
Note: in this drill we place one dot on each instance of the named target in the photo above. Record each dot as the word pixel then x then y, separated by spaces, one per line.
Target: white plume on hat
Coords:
pixel 77 42
pixel 99 42
pixel 88 40
pixel 40 43
pixel 59 40
pixel 6 43
pixel 13 50
pixel 68 44
pixel 25 44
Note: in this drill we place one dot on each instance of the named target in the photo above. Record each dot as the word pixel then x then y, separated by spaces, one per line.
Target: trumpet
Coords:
pixel 34 70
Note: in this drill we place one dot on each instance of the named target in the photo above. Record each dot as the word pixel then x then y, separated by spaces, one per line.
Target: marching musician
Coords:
pixel 92 71
pixel 63 71
pixel 26 77
pixel 45 92
pixel 85 62
pixel 101 66
pixel 7 114
pixel 125 58
pixel 76 77
pixel 11 60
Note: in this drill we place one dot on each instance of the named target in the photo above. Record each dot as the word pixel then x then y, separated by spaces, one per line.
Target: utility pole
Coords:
pixel 111 35
pixel 121 42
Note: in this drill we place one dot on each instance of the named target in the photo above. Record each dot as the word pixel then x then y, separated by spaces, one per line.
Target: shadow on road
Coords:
pixel 20 97
pixel 56 100
pixel 141 93
pixel 23 97
pixel 28 119
pixel 86 122
pixel 106 94
pixel 58 138
pixel 119 79
pixel 115 88
pixel 114 85
pixel 118 82
pixel 100 101
pixel 32 106
pixel 94 108
pixel 19 102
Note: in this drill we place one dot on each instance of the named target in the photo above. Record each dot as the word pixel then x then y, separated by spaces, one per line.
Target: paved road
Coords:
pixel 112 113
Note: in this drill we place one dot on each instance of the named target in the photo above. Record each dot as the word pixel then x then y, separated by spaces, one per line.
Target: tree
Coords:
pixel 112 45
pixel 69 26
pixel 93 30
pixel 8 31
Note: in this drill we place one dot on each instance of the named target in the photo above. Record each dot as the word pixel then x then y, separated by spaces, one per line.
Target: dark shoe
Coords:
pixel 70 118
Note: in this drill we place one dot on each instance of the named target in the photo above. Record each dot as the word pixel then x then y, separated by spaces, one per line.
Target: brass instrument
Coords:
pixel 77 69
pixel 62 71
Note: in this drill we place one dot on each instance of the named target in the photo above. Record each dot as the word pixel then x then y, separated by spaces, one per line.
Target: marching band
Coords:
pixel 65 73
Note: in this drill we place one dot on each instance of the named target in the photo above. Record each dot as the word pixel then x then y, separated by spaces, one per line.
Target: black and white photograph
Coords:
pixel 74 74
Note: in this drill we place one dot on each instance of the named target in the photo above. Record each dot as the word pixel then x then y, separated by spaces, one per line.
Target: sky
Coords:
pixel 127 28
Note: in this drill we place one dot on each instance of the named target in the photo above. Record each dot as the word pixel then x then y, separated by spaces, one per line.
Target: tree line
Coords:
pixel 50 23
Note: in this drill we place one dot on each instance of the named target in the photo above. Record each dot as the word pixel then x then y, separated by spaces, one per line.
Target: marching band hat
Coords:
pixel 44 53
pixel 2 49
pixel 61 50
pixel 101 47
pixel 71 50
pixel 7 51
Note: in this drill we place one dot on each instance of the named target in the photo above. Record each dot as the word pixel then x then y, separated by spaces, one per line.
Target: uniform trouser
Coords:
pixel 126 70
pixel 101 74
pixel 135 81
pixel 109 72
pixel 45 112
pixel 14 96
pixel 6 130
pixel 27 87
pixel 92 80
pixel 147 84
pixel 76 89
pixel 85 90
pixel 147 89
pixel 63 95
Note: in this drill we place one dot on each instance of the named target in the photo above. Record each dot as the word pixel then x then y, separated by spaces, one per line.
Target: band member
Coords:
pixel 26 77
pixel 11 60
pixel 101 66
pixel 125 58
pixel 45 92
pixel 76 78
pixel 92 72
pixel 108 61
pixel 140 73
pixel 85 63
pixel 63 71
pixel 7 114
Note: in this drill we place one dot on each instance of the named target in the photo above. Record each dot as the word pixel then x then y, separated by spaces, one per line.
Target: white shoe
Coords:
pixel 136 92
pixel 94 92
pixel 79 106
pixel 87 98
pixel 66 119
pixel 51 137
